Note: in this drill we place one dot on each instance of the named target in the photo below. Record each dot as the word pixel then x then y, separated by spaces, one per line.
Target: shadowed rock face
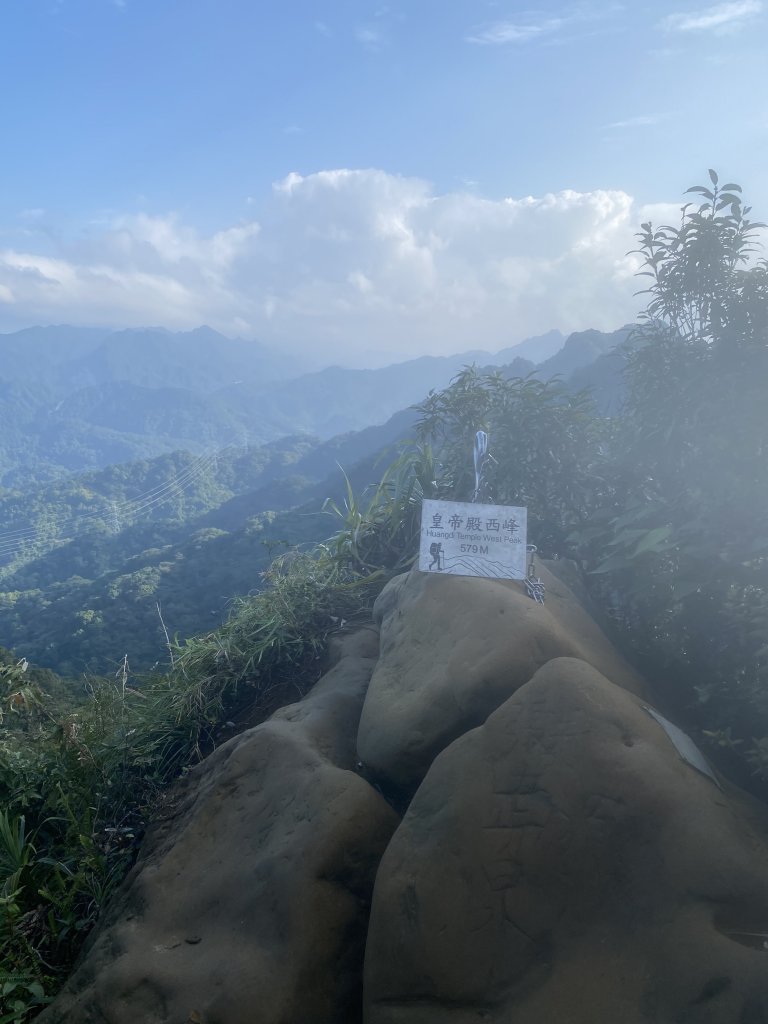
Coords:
pixel 251 904
pixel 562 864
pixel 455 648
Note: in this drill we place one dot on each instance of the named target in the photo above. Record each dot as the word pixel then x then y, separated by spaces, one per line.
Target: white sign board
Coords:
pixel 465 539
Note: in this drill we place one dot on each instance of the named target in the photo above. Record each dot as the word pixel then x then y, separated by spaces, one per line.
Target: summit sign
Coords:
pixel 467 539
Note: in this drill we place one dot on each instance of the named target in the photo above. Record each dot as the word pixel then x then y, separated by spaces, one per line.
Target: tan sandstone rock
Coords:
pixel 250 906
pixel 562 864
pixel 453 649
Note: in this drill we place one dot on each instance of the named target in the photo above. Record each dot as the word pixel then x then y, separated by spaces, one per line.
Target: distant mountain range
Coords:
pixel 75 400
pixel 65 359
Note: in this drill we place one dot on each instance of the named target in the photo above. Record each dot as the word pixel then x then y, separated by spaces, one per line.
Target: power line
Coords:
pixel 67 528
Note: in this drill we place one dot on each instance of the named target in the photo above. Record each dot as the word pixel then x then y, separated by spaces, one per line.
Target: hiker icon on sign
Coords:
pixel 436 550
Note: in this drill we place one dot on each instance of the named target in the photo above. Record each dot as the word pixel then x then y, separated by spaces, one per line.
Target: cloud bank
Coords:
pixel 345 261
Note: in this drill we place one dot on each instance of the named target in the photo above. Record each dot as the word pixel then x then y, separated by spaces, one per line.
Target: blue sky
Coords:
pixel 411 176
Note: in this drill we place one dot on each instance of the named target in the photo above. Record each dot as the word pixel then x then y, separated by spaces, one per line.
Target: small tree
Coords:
pixel 705 327
pixel 545 443
pixel 688 540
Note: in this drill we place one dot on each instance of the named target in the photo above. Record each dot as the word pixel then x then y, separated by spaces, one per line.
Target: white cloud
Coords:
pixel 503 32
pixel 532 26
pixel 720 18
pixel 344 261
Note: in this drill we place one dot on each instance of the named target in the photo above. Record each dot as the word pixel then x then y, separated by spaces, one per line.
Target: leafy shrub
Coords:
pixel 546 448
pixel 682 551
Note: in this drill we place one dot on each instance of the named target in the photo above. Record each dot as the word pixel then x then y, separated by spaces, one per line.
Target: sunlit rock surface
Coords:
pixel 563 864
pixel 453 649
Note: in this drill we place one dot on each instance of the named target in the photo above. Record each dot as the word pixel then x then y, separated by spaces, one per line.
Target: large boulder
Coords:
pixel 251 902
pixel 453 649
pixel 562 863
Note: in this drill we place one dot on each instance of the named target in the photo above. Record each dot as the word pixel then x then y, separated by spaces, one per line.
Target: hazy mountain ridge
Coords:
pixel 66 359
pixel 134 394
pixel 581 349
pixel 536 349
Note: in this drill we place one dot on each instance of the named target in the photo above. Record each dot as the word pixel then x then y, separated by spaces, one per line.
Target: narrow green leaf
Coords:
pixel 612 564
pixel 653 539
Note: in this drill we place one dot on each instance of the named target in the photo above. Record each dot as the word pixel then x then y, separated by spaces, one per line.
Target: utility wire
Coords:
pixel 65 527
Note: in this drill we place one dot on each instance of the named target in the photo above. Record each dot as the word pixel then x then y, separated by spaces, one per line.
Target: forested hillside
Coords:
pixel 86 561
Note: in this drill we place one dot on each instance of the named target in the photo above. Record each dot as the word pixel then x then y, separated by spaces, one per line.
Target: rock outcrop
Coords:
pixel 251 904
pixel 453 649
pixel 562 863
pixel 559 861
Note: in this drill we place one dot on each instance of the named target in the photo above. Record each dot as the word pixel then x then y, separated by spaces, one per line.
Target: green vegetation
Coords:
pixel 687 569
pixel 85 562
pixel 663 505
pixel 76 787
pixel 546 446
pixel 80 623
